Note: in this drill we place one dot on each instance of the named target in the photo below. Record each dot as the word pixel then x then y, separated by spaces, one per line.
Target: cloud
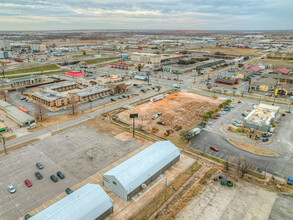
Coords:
pixel 147 14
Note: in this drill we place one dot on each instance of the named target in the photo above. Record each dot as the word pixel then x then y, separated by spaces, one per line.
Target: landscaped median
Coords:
pixel 252 149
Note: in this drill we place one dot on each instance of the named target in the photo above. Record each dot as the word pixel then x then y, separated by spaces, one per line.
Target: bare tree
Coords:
pixel 243 166
pixel 242 93
pixel 93 83
pixel 4 93
pixel 21 90
pixel 73 105
pixel 40 112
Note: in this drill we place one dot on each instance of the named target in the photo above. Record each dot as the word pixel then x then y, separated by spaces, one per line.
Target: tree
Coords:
pixel 84 53
pixel 117 89
pixel 21 90
pixel 240 65
pixel 73 105
pixel 40 112
pixel 243 166
pixel 4 94
pixel 93 83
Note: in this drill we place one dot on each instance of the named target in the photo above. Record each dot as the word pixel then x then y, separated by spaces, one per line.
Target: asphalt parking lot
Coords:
pixel 78 153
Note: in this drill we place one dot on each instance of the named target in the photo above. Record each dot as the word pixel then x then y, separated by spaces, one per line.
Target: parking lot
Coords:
pixel 78 153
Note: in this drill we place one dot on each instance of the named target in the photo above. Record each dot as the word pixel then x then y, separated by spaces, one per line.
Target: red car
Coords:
pixel 214 148
pixel 28 183
pixel 218 115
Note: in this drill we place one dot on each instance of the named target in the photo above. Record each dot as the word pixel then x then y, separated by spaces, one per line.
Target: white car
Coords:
pixel 11 189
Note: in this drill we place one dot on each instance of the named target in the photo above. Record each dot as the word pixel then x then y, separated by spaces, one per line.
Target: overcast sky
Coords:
pixel 146 14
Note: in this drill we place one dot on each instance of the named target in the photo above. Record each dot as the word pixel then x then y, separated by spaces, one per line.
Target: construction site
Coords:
pixel 179 111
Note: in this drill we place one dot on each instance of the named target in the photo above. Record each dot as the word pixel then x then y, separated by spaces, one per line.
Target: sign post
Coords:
pixel 3 142
pixel 133 116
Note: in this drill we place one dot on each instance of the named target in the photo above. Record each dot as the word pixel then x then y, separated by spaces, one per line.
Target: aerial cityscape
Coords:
pixel 146 110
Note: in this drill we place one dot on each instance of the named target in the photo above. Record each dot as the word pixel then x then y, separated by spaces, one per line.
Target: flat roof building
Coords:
pixel 127 178
pixel 147 58
pixel 21 118
pixel 89 202
pixel 261 117
pixel 50 98
pixel 61 86
pixel 91 93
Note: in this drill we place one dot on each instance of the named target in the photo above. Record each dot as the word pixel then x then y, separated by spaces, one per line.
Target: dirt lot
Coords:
pixel 274 62
pixel 232 51
pixel 243 201
pixel 181 109
pixel 78 152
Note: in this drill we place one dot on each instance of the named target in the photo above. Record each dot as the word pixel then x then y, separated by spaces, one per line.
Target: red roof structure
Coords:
pixel 75 74
pixel 246 65
pixel 255 68
pixel 282 70
pixel 18 60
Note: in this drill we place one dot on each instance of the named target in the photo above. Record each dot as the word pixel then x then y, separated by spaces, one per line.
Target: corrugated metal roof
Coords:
pixel 17 115
pixel 88 202
pixel 134 171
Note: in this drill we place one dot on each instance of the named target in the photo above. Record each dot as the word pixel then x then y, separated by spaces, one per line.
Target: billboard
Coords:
pixel 156 98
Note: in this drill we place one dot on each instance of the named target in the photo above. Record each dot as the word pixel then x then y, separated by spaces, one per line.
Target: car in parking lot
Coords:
pixel 60 175
pixel 113 100
pixel 232 105
pixel 209 123
pixel 214 117
pixel 214 148
pixel 218 115
pixel 54 178
pixel 159 113
pixel 238 121
pixel 235 124
pixel 120 97
pixel 227 109
pixel 124 96
pixel 39 175
pixel 39 165
pixel 265 139
pixel 222 112
pixel 266 134
pixel 11 189
pixel 27 216
pixel 68 191
pixel 28 183
pixel 244 114
pixel 160 122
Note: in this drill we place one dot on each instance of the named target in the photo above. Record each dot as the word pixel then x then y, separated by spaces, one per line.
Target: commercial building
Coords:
pixel 5 55
pixel 209 63
pixel 5 45
pixel 50 98
pixel 21 118
pixel 128 178
pixel 230 80
pixel 25 81
pixel 264 84
pixel 261 117
pixel 147 58
pixel 244 74
pixel 281 71
pixel 88 202
pixel 61 86
pixel 255 69
pixel 92 93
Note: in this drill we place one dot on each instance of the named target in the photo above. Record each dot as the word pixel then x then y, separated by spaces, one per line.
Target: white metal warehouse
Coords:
pixel 127 179
pixel 89 202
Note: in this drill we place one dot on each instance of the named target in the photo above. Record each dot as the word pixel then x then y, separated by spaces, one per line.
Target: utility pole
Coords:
pixel 133 116
pixel 3 142
pixel 91 103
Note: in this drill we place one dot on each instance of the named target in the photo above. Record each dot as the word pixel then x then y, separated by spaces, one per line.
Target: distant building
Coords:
pixel 227 80
pixel 91 93
pixel 147 58
pixel 129 177
pixel 261 117
pixel 244 74
pixel 255 69
pixel 88 202
pixel 50 98
pixel 5 55
pixel 61 86
pixel 281 71
pixel 4 45
pixel 123 88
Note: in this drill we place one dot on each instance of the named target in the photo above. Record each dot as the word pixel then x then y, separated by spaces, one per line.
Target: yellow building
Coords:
pixel 264 84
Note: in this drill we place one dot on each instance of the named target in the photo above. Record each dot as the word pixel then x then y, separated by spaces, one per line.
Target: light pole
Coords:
pixel 133 116
pixel 3 142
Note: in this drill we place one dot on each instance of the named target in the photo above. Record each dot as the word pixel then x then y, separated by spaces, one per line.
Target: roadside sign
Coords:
pixel 276 92
pixel 133 115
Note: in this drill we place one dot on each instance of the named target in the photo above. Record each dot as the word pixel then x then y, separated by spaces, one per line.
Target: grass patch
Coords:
pixel 252 149
pixel 99 60
pixel 34 69
pixel 164 195
pixel 37 74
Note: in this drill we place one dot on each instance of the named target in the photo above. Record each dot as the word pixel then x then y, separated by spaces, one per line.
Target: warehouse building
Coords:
pixel 89 202
pixel 261 117
pixel 21 118
pixel 128 178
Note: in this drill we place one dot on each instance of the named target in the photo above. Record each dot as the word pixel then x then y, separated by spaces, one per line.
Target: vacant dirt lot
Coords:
pixel 181 109
pixel 232 51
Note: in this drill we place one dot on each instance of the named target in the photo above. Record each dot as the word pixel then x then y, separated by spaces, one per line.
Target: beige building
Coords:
pixel 146 58
pixel 61 86
pixel 91 93
pixel 50 98
pixel 264 84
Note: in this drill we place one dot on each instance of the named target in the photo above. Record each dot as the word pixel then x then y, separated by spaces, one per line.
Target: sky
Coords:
pixel 146 14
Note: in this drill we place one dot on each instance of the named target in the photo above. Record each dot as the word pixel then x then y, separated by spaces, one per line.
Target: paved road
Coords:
pixel 281 166
pixel 83 118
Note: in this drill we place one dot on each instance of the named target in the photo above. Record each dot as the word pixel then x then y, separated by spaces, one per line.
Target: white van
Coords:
pixel 32 126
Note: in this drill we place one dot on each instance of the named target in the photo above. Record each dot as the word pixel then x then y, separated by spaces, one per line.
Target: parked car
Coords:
pixel 232 105
pixel 218 115
pixel 283 114
pixel 32 126
pixel 101 97
pixel 23 98
pixel 28 183
pixel 244 114
pixel 234 88
pixel 227 109
pixel 2 119
pixel 160 122
pixel 39 165
pixel 113 100
pixel 135 84
pixel 235 124
pixel 60 175
pixel 266 134
pixel 214 148
pixel 238 121
pixel 120 97
pixel 214 117
pixel 222 112
pixel 209 123
pixel 11 189
pixel 54 178
pixel 123 96
pixel 159 113
pixel 39 175
pixel 155 116
pixel 265 139
pixel 68 191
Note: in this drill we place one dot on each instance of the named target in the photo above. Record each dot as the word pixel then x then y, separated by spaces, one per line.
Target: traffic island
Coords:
pixel 252 149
